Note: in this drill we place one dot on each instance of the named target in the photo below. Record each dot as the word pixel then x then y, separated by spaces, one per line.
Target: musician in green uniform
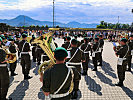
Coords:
pixel 95 54
pixel 4 75
pixel 101 44
pixel 78 43
pixel 76 59
pixel 57 80
pixel 85 47
pixel 130 44
pixel 12 49
pixel 33 49
pixel 123 54
pixel 24 48
pixel 67 44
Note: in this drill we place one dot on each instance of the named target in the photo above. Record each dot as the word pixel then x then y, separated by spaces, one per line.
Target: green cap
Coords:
pixel 0 39
pixel 17 36
pixel 11 38
pixel 24 35
pixel 3 37
pixel 124 40
pixel 60 52
pixel 74 42
pixel 131 35
pixel 68 38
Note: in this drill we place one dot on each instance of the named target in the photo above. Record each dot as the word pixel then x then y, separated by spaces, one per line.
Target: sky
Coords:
pixel 83 11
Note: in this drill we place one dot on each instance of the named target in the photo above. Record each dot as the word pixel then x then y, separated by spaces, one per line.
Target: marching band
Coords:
pixel 63 66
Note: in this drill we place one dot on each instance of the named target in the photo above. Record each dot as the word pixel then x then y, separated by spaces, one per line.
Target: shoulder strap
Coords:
pixel 86 47
pixel 126 53
pixel 74 55
pixel 23 46
pixel 69 70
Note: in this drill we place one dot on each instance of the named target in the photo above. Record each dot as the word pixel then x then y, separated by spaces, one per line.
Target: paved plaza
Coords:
pixel 96 86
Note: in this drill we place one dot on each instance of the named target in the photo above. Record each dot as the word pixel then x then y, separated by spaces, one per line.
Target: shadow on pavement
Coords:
pixel 89 65
pixel 128 92
pixel 104 79
pixel 19 92
pixel 108 69
pixel 92 85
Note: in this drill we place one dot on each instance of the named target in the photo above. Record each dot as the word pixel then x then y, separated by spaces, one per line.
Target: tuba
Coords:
pixel 13 56
pixel 46 43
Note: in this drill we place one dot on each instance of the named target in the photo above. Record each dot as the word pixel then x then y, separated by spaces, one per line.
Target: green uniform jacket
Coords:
pixel 55 76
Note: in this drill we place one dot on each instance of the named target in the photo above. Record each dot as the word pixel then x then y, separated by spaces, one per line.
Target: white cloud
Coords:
pixel 32 4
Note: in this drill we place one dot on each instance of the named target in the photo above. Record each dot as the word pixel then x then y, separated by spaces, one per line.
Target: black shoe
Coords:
pixel 38 63
pixel 94 69
pixel 100 65
pixel 75 95
pixel 128 70
pixel 119 84
pixel 13 74
pixel 27 77
pixel 34 60
pixel 84 73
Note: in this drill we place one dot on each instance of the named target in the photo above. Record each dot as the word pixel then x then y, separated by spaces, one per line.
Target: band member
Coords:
pixel 67 44
pixel 65 38
pixel 85 47
pixel 33 49
pixel 122 53
pixel 4 75
pixel 17 42
pixel 12 49
pixel 39 52
pixel 58 79
pixel 101 41
pixel 24 48
pixel 78 44
pixel 130 44
pixel 95 54
pixel 77 57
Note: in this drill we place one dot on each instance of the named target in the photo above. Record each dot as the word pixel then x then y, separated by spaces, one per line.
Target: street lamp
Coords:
pixel 53 13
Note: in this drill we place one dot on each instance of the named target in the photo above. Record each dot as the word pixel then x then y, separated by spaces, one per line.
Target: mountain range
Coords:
pixel 22 20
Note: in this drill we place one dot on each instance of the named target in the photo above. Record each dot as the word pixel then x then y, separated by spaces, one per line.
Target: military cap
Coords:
pixel 68 38
pixel 101 35
pixel 124 40
pixel 11 38
pixel 96 38
pixel 0 39
pixel 24 35
pixel 3 37
pixel 74 41
pixel 131 35
pixel 75 36
pixel 17 36
pixel 60 52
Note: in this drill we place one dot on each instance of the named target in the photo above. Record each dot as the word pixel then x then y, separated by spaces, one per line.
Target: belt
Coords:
pixel 3 65
pixel 59 95
pixel 24 52
pixel 72 63
pixel 44 55
pixel 86 52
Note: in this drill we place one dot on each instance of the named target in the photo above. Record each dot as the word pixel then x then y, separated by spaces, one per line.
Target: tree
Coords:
pixel 57 26
pixel 101 26
pixel 102 22
pixel 46 26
